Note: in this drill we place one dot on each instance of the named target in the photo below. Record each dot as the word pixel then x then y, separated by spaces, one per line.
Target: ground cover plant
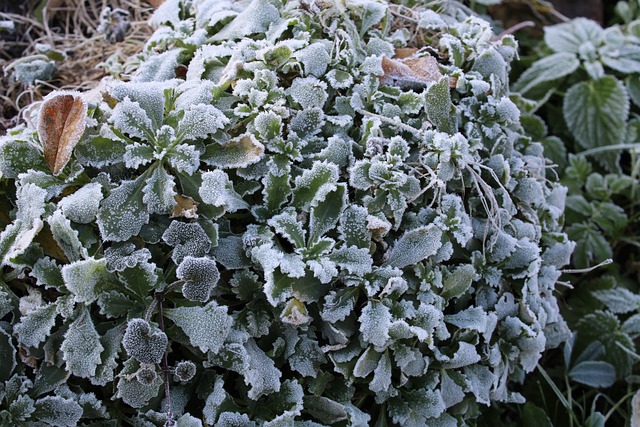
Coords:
pixel 294 213
pixel 586 114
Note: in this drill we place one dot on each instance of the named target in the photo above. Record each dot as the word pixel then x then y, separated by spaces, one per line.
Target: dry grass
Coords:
pixel 68 26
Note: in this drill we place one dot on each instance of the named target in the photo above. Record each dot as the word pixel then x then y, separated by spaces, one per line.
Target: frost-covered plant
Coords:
pixel 292 215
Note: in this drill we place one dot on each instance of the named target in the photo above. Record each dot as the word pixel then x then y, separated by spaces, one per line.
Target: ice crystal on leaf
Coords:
pixel 141 343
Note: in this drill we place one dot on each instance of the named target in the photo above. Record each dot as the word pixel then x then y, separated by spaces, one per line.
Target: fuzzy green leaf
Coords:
pixel 596 113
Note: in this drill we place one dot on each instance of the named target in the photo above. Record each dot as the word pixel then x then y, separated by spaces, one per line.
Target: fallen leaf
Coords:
pixel 410 73
pixel 61 123
pixel 185 207
pixel 404 52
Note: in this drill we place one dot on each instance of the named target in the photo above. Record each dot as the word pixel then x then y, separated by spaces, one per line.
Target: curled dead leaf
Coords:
pixel 185 207
pixel 409 72
pixel 61 123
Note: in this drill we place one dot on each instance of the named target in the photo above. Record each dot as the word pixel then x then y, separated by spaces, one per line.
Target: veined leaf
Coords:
pixel 123 213
pixel 158 193
pixel 547 69
pixel 325 215
pixel 414 246
pixel 569 36
pixel 207 327
pixel 239 152
pixel 61 124
pixel 596 114
pixel 81 347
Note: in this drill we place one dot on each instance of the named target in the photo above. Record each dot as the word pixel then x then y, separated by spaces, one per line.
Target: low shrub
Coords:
pixel 294 213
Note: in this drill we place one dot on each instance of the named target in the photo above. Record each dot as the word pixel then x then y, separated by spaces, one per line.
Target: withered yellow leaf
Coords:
pixel 185 207
pixel 410 73
pixel 61 123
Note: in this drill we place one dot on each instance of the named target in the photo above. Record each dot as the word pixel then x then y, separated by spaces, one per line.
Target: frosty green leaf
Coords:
pixel 141 343
pixel 217 190
pixel 569 36
pixel 36 326
pixel 326 213
pixel 238 152
pixel 458 282
pixel 200 276
pixel 82 206
pixel 187 239
pixel 123 213
pixel 66 237
pixel 375 321
pixel 58 411
pixel 415 246
pixel 85 277
pixel 159 193
pixel 207 327
pixel 81 347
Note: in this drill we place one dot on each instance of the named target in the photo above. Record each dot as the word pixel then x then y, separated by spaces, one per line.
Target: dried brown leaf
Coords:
pixel 61 123
pixel 185 207
pixel 410 73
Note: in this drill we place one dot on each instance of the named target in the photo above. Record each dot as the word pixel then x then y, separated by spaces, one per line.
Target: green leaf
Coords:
pixel 547 69
pixel 81 347
pixel 324 409
pixel 200 121
pixel 140 279
pixel 593 373
pixel 217 190
pixel 619 300
pixel 137 155
pixel 114 304
pixel 533 416
pixel 86 279
pixel 101 151
pixel 439 108
pixel 355 260
pixel 123 213
pixel 458 282
pixel 17 157
pixel 633 87
pixel 414 246
pixel 591 246
pixel 58 411
pixel 605 327
pixel 207 327
pixel 314 184
pixel 255 18
pixel 184 158
pixel 596 114
pixel 47 273
pixel 158 192
pixel 570 36
pixel 7 356
pixel 353 227
pixel 111 342
pixel 277 185
pixel 36 326
pixel 287 225
pixel 239 152
pixel 48 378
pixel 326 213
pixel 66 237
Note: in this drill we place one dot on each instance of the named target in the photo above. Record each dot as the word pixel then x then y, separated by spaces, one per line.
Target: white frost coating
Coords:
pixel 59 411
pixel 199 121
pixel 130 118
pixel 122 214
pixel 30 202
pixel 200 276
pixel 255 18
pixel 375 321
pixel 82 206
pixel 430 20
pixel 159 192
pixel 314 58
pixel 185 158
pixel 260 373
pixel 137 155
pixel 309 92
pixel 66 237
pixel 83 277
pixel 188 239
pixel 207 327
pixel 141 343
pixel 81 347
pixel 217 190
